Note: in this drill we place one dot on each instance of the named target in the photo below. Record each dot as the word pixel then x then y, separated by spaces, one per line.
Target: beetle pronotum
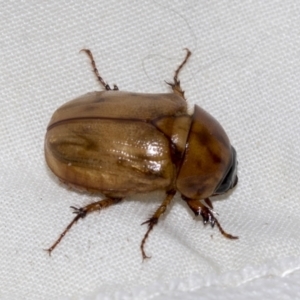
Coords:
pixel 122 143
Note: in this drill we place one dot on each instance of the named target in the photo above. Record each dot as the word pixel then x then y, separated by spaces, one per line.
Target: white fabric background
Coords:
pixel 245 70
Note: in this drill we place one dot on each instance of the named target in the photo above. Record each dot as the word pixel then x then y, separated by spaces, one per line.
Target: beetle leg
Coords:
pixel 207 214
pixel 81 213
pixel 154 219
pixel 176 85
pixel 95 70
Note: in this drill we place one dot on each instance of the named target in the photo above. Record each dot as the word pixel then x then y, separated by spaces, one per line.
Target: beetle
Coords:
pixel 122 143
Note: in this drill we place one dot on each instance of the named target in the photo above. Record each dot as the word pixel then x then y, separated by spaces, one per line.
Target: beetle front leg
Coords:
pixel 154 219
pixel 176 85
pixel 207 214
pixel 81 213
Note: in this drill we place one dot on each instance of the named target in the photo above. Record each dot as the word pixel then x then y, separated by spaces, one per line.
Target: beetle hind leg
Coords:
pixel 154 219
pixel 95 70
pixel 83 212
pixel 176 85
pixel 206 212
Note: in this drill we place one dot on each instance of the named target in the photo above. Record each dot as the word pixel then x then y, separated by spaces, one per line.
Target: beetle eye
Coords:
pixel 231 179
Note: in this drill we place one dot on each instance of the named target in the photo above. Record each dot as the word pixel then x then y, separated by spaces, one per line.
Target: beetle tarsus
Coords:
pixel 96 72
pixel 151 222
pixel 154 219
pixel 207 214
pixel 81 213
pixel 208 217
pixel 49 250
pixel 224 233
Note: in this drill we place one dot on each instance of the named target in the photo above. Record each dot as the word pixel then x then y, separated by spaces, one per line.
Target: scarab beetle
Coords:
pixel 122 143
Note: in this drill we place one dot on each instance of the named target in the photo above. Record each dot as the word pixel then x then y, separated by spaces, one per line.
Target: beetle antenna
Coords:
pixel 95 70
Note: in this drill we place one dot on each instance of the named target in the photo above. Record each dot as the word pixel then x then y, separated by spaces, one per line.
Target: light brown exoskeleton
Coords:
pixel 123 143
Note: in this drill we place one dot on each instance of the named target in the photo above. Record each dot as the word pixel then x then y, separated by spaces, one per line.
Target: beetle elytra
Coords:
pixel 123 143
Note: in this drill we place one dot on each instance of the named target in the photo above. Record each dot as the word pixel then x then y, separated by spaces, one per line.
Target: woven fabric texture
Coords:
pixel 244 70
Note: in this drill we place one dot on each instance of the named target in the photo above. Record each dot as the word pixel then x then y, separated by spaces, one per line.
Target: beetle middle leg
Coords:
pixel 100 79
pixel 206 212
pixel 154 219
pixel 83 212
pixel 176 85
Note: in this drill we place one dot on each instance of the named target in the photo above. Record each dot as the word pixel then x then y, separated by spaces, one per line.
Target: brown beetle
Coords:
pixel 122 143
